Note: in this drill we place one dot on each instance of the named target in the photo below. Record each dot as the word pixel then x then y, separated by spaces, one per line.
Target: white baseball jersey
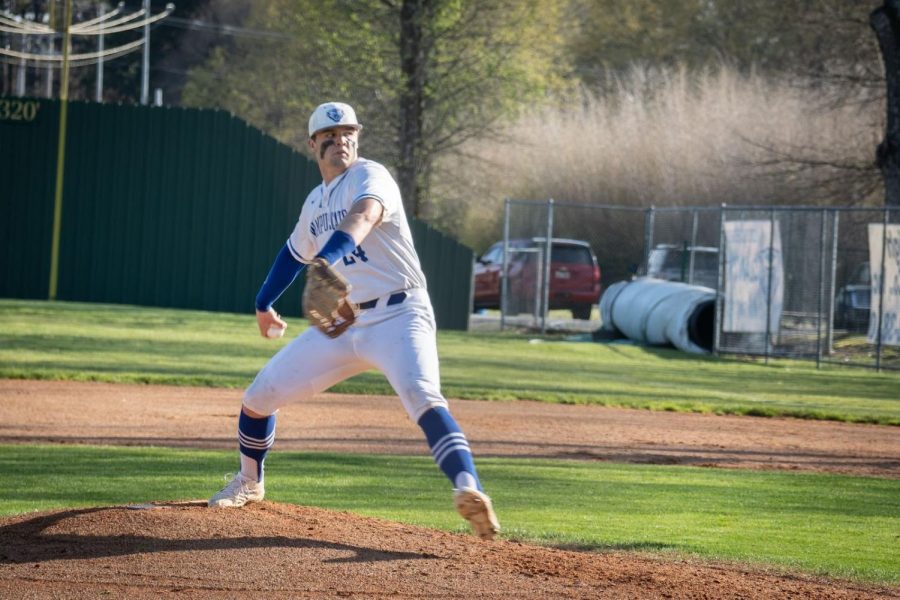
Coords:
pixel 386 261
pixel 397 339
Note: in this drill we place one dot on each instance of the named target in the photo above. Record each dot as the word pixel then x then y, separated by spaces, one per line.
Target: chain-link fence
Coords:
pixel 798 282
pixel 577 248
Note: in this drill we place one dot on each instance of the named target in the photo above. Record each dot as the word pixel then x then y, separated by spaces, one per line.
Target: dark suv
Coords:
pixel 574 275
pixel 853 301
pixel 673 263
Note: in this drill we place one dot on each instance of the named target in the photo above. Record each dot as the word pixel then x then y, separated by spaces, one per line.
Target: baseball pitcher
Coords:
pixel 367 302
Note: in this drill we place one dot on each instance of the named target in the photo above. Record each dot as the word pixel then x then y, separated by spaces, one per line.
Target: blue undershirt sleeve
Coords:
pixel 339 245
pixel 282 274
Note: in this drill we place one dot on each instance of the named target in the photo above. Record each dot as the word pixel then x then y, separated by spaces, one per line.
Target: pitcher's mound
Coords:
pixel 185 550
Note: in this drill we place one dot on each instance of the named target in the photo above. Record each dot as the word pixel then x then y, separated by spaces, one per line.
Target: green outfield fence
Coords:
pixel 169 207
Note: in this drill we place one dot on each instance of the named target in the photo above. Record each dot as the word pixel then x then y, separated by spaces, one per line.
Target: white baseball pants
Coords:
pixel 399 340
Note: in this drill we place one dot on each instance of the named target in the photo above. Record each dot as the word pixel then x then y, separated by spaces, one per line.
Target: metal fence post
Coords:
pixel 881 285
pixel 545 267
pixel 821 290
pixel 769 290
pixel 693 248
pixel 504 273
pixel 649 216
pixel 720 284
pixel 832 290
pixel 536 312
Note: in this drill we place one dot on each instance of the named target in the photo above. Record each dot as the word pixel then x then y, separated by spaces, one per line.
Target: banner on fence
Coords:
pixel 890 270
pixel 750 251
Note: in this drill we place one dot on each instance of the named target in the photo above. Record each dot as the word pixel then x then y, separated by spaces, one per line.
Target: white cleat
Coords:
pixel 238 492
pixel 476 508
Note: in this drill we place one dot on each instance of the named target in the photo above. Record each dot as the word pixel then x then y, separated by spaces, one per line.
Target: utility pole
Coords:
pixel 98 92
pixel 145 78
pixel 48 82
pixel 20 74
pixel 60 153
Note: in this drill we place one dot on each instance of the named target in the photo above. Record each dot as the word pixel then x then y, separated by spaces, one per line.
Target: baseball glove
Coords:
pixel 325 301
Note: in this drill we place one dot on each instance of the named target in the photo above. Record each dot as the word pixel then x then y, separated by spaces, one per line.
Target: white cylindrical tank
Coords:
pixel 658 312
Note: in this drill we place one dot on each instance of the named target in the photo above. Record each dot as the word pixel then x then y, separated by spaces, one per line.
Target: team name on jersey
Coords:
pixel 325 222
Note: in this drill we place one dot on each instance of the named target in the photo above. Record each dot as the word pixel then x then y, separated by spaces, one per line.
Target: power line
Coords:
pixel 104 18
pixel 198 25
pixel 92 27
pixel 77 59
pixel 120 24
pixel 10 25
pixel 98 26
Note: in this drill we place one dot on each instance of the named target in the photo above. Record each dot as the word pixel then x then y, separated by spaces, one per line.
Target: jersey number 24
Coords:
pixel 358 253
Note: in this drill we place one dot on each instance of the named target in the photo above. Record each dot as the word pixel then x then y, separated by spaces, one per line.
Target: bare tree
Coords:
pixel 415 50
pixel 435 72
pixel 837 59
pixel 885 20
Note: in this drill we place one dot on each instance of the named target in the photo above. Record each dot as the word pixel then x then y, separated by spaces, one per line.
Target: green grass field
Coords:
pixel 833 525
pixel 41 340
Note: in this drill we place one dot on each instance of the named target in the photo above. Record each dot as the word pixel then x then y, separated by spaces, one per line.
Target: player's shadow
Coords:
pixel 28 542
pixel 648 546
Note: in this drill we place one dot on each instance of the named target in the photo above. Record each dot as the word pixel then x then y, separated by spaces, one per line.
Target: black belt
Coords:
pixel 393 299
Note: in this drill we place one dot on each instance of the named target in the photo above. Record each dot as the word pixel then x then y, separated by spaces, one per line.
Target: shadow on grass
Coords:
pixel 621 547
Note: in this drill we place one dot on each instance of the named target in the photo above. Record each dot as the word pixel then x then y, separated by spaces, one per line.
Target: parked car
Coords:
pixel 574 275
pixel 853 301
pixel 673 263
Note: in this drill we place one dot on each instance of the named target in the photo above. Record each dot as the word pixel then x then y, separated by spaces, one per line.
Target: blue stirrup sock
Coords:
pixel 450 448
pixel 255 437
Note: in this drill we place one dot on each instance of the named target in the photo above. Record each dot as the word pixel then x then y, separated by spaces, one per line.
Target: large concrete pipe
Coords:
pixel 662 313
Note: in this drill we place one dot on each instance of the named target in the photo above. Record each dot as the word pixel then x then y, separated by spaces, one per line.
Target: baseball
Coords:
pixel 275 332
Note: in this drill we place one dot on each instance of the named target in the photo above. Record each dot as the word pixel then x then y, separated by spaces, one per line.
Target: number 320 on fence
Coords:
pixel 18 110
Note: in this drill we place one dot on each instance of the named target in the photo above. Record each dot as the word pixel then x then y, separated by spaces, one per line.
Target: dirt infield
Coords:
pixel 280 551
pixel 134 415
